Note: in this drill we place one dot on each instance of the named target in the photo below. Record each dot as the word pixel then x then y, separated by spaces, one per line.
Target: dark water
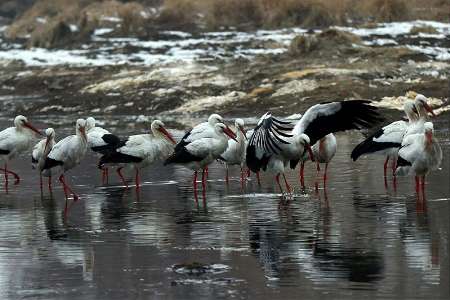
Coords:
pixel 354 240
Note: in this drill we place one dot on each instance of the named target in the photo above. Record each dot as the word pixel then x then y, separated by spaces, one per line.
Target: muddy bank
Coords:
pixel 313 67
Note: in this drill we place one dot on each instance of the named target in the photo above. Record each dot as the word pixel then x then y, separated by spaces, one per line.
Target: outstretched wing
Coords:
pixel 329 117
pixel 267 139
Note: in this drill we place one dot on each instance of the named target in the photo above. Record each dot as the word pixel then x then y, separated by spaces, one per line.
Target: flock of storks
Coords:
pixel 272 146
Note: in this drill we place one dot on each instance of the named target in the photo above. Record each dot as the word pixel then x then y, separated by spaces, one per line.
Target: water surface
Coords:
pixel 351 240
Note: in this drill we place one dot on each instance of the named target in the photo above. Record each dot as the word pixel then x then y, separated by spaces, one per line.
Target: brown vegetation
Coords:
pixel 48 22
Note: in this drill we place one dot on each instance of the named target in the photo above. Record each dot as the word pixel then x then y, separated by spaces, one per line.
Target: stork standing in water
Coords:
pixel 14 141
pixel 40 153
pixel 323 152
pixel 141 151
pixel 235 152
pixel 205 129
pixel 275 145
pixel 419 154
pixel 388 140
pixel 101 141
pixel 200 152
pixel 67 154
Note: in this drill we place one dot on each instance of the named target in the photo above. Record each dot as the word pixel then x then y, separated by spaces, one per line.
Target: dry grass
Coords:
pixel 47 21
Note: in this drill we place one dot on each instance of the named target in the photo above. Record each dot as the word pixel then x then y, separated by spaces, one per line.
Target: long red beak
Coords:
pixel 28 125
pixel 429 109
pixel 311 155
pixel 243 132
pixel 230 133
pixel 167 134
pixel 83 132
pixel 47 141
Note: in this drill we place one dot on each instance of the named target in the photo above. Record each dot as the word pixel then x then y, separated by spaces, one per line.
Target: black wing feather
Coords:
pixel 353 114
pixel 371 146
pixel 267 137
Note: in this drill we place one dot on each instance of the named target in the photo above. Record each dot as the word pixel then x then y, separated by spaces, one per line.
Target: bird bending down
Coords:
pixel 101 141
pixel 235 152
pixel 14 141
pixel 323 152
pixel 419 154
pixel 200 152
pixel 67 154
pixel 141 151
pixel 274 143
pixel 388 140
pixel 40 153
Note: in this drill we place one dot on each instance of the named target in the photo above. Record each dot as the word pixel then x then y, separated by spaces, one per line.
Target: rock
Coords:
pixel 201 104
pixel 296 86
pixel 260 91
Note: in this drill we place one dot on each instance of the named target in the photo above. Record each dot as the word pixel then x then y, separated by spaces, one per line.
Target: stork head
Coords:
pixel 239 124
pixel 304 141
pixel 410 110
pixel 81 128
pixel 50 136
pixel 422 106
pixel 428 126
pixel 90 123
pixel 158 129
pixel 21 122
pixel 221 128
pixel 214 119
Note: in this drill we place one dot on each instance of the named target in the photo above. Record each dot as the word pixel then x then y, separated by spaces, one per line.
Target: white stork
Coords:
pixel 387 140
pixel 14 141
pixel 235 152
pixel 323 152
pixel 141 150
pixel 419 154
pixel 40 153
pixel 274 144
pixel 199 153
pixel 67 154
pixel 100 141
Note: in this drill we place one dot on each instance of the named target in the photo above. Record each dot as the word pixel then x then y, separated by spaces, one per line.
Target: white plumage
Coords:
pixel 420 153
pixel 67 153
pixel 40 153
pixel 199 153
pixel 235 152
pixel 16 140
pixel 142 150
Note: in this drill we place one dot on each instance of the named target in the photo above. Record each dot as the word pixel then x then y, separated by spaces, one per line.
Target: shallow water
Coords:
pixel 354 239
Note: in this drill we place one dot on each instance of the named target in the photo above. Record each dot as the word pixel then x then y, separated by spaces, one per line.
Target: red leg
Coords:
pixel 302 174
pixel 386 165
pixel 277 178
pixel 206 172
pixel 61 179
pixel 204 175
pixel 423 183
pixel 417 184
pixel 394 166
pixel 138 180
pixel 248 172
pixel 258 178
pixel 119 172
pixel 226 175
pixel 50 183
pixel 103 176
pixel 242 177
pixel 107 175
pixel 194 185
pixel 288 187
pixel 325 175
pixel 12 173
pixel 318 166
pixel 68 188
